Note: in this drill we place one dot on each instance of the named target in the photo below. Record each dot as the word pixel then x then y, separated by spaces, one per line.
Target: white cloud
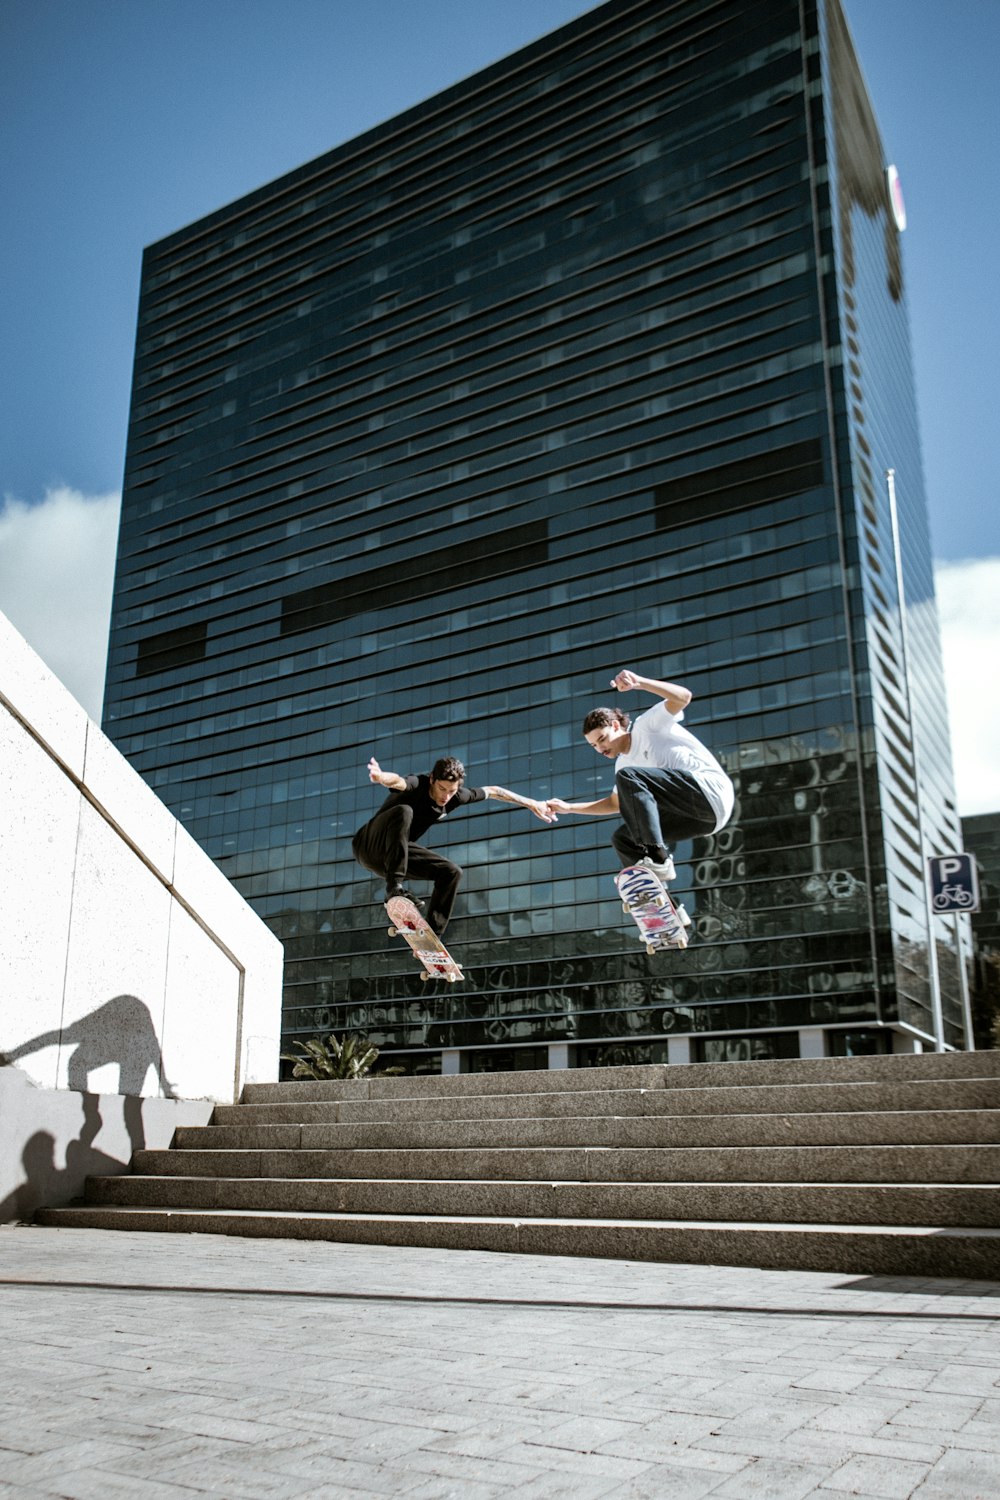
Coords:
pixel 969 607
pixel 57 563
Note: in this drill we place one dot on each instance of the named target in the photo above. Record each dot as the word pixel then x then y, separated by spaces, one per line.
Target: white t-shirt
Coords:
pixel 658 739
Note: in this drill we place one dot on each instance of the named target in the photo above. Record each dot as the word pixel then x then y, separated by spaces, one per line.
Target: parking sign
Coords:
pixel 954 882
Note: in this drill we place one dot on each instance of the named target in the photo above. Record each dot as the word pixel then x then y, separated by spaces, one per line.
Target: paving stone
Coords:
pixel 239 1478
pixel 102 1484
pixel 558 1486
pixel 963 1476
pixel 458 1467
pixel 345 1477
pixel 565 1461
pixel 934 1414
pixel 51 1463
pixel 770 1479
pixel 893 1478
pixel 668 1480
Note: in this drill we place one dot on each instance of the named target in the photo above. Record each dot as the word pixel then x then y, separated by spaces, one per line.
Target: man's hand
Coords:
pixel 540 809
pixel 544 811
pixel 676 697
pixel 388 779
pixel 557 805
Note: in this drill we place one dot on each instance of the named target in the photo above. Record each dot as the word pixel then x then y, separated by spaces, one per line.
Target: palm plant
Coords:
pixel 351 1058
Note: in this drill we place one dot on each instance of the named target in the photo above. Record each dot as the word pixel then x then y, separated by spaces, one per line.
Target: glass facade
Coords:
pixel 595 360
pixel 981 837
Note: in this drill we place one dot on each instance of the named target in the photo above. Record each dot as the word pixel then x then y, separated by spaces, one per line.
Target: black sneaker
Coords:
pixel 397 890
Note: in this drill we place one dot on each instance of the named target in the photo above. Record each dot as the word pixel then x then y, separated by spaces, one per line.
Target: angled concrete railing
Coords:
pixel 130 967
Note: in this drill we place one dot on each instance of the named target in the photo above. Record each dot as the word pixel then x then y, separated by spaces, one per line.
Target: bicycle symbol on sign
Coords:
pixel 952 898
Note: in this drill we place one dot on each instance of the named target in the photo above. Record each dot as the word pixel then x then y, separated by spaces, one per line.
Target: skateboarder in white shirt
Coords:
pixel 668 786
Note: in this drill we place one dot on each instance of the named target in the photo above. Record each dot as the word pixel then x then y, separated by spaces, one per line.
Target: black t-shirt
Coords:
pixel 426 812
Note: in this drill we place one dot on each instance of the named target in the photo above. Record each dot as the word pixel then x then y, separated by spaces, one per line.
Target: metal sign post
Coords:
pixel 953 883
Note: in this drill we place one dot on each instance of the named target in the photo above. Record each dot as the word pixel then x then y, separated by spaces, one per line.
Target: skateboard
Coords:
pixel 661 923
pixel 408 923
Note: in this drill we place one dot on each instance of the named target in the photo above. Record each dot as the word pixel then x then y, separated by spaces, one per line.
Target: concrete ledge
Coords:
pixel 804 1203
pixel 893 1128
pixel 853 1250
pixel 894 1067
pixel 760 1099
pixel 873 1164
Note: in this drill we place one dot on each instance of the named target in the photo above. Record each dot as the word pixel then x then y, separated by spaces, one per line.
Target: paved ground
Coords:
pixel 169 1366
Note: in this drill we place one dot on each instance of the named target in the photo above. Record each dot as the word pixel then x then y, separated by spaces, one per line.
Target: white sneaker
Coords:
pixel 664 871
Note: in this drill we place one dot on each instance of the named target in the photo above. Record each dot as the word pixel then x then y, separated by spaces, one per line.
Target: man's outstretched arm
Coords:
pixel 600 808
pixel 676 697
pixel 540 809
pixel 388 779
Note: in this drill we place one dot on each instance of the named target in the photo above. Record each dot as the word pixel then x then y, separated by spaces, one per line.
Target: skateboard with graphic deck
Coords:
pixel 408 923
pixel 661 923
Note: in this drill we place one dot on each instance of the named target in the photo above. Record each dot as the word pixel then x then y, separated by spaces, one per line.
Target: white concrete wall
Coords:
pixel 129 965
pixel 51 1140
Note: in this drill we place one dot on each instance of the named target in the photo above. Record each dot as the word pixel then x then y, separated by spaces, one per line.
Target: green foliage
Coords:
pixel 351 1058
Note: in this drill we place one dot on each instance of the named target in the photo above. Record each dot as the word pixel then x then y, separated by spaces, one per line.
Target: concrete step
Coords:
pixel 896 1067
pixel 805 1203
pixel 898 1128
pixel 860 1163
pixel 972 1254
pixel 792 1098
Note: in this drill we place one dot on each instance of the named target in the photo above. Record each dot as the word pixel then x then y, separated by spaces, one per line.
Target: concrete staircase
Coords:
pixel 874 1165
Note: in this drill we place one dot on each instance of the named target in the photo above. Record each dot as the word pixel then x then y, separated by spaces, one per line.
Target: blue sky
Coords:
pixel 122 120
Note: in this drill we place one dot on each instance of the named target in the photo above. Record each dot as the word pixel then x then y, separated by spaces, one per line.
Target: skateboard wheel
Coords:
pixel 425 975
pixel 650 949
pixel 393 931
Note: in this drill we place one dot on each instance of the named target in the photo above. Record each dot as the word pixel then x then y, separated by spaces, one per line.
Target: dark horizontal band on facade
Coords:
pixel 171 648
pixel 436 572
pixel 773 475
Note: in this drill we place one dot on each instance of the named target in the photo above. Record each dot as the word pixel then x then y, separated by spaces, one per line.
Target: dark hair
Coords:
pixel 448 769
pixel 600 718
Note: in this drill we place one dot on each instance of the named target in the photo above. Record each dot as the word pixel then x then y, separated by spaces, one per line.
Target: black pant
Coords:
pixel 383 846
pixel 659 807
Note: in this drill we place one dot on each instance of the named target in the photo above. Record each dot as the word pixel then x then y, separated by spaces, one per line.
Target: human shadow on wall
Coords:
pixel 121 1033
pixel 45 1183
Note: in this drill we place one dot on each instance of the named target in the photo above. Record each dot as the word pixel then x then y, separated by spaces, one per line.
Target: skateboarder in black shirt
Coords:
pixel 387 845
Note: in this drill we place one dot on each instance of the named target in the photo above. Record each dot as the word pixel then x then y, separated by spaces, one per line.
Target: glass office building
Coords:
pixel 981 837
pixel 598 359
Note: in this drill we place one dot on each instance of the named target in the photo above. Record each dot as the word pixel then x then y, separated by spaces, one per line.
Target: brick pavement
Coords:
pixel 173 1366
